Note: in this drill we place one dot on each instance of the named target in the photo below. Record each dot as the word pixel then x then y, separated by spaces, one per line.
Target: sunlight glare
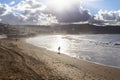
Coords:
pixel 61 5
pixel 59 41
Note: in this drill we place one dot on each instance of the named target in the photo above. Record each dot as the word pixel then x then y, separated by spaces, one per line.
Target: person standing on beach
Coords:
pixel 59 50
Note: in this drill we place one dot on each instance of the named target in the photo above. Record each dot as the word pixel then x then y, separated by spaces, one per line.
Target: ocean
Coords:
pixel 99 48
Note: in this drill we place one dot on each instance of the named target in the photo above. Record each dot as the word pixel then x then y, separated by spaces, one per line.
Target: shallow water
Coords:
pixel 104 49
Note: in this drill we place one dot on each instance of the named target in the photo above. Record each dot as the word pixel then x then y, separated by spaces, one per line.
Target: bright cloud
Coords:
pixel 12 3
pixel 92 0
pixel 4 9
pixel 73 14
pixel 30 5
pixel 34 12
pixel 61 5
pixel 25 12
pixel 108 17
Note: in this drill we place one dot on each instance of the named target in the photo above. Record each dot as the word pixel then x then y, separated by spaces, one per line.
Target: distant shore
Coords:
pixel 20 60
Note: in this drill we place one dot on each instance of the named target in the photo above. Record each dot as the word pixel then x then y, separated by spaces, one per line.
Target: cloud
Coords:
pixel 34 12
pixel 33 5
pixel 40 19
pixel 12 3
pixel 74 14
pixel 109 17
pixel 92 0
pixel 106 15
pixel 25 12
pixel 85 15
pixel 12 18
pixel 4 9
pixel 95 21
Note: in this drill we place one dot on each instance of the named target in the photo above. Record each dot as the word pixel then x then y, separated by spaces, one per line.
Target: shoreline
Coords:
pixel 95 63
pixel 49 65
pixel 78 58
pixel 71 56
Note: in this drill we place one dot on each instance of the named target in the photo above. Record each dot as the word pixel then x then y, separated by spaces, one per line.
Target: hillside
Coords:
pixel 24 30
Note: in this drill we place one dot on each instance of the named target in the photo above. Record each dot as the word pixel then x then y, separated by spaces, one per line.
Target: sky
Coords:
pixel 96 5
pixel 42 12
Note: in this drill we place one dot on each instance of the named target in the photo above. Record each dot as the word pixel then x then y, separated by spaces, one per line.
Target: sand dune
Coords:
pixel 22 61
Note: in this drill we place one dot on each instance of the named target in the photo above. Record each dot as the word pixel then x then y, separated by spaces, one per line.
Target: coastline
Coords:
pixel 77 58
pixel 52 66
pixel 47 48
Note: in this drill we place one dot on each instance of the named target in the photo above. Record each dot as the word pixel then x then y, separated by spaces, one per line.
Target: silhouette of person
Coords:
pixel 59 50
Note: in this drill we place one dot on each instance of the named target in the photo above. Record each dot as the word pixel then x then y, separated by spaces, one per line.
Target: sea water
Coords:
pixel 99 48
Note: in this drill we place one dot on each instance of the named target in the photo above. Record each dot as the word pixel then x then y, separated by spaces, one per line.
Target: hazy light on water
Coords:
pixel 51 42
pixel 59 41
pixel 95 48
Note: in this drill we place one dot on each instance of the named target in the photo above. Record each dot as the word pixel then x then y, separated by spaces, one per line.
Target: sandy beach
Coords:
pixel 22 61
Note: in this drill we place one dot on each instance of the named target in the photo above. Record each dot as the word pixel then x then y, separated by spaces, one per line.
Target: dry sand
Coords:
pixel 22 61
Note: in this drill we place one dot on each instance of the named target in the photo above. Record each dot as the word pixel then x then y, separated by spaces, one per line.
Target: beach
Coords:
pixel 22 61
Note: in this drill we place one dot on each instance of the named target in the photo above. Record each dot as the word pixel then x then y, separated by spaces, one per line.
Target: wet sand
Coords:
pixel 22 61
